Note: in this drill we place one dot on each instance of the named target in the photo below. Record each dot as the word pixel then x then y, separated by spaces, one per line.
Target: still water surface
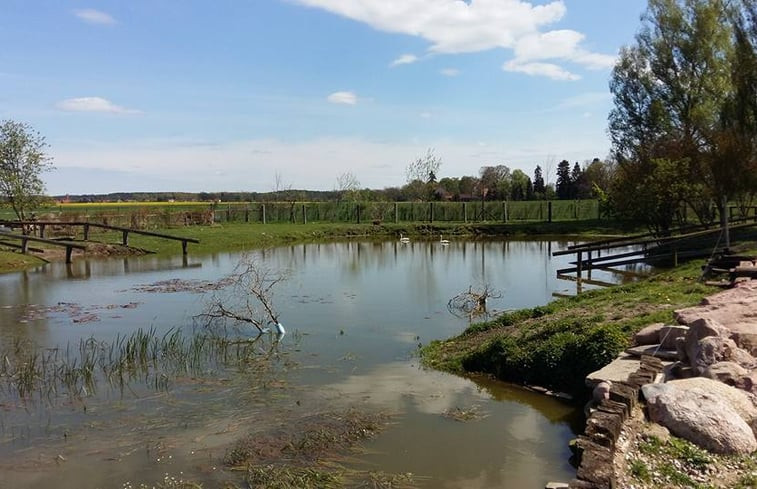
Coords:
pixel 355 313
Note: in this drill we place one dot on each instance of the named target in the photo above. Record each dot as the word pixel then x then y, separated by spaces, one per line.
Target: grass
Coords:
pixel 558 344
pixel 307 453
pixel 35 374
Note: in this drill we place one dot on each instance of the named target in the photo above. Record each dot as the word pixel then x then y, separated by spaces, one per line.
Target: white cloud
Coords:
pixel 405 59
pixel 92 104
pixel 93 16
pixel 549 70
pixel 347 98
pixel 455 26
pixel 426 115
pixel 450 72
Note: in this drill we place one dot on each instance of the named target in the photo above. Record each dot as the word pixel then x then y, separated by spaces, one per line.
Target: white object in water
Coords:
pixel 280 329
pixel 443 241
pixel 403 239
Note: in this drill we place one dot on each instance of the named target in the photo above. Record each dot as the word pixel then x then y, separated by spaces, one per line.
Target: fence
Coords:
pixel 151 215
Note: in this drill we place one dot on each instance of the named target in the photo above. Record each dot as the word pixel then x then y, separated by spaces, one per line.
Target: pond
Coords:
pixel 355 313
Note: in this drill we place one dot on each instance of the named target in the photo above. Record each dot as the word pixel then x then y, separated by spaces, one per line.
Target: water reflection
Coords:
pixel 359 311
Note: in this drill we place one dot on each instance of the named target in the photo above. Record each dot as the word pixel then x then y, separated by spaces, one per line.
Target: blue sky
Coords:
pixel 159 95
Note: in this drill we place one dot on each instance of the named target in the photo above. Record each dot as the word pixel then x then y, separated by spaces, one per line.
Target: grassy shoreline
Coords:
pixel 558 344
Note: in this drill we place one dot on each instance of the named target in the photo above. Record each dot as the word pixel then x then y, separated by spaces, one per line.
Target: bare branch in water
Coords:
pixel 472 303
pixel 249 299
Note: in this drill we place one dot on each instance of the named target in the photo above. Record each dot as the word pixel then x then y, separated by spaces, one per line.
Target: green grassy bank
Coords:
pixel 557 345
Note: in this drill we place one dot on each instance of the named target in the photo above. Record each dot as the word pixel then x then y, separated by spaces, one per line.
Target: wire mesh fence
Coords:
pixel 152 215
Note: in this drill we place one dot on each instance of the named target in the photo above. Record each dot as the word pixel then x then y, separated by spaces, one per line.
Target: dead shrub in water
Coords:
pixel 248 300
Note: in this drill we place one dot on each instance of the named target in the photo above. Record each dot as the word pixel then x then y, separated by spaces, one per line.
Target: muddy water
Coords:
pixel 355 315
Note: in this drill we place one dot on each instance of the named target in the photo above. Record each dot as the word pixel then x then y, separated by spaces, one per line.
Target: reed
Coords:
pixel 31 373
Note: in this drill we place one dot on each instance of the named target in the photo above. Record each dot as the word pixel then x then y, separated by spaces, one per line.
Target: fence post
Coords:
pixel 262 213
pixel 86 231
pixel 247 213
pixel 549 211
pixel 304 215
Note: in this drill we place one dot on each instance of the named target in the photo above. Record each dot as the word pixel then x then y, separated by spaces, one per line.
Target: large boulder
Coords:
pixel 744 403
pixel 715 349
pixel 700 416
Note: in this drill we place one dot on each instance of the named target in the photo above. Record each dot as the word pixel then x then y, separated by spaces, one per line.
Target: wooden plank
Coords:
pixel 41 240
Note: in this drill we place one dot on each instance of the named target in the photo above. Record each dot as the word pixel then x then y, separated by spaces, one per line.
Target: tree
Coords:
pixel 521 187
pixel 422 173
pixel 679 94
pixel 539 187
pixel 22 162
pixel 348 186
pixel 563 187
pixel 494 182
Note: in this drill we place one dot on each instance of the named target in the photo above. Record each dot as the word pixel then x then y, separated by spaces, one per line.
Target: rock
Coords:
pixel 735 308
pixel 654 430
pixel 669 335
pixel 616 371
pixel 715 349
pixel 653 350
pixel 725 372
pixel 648 335
pixel 699 416
pixel 601 391
pixel 698 330
pixel 743 403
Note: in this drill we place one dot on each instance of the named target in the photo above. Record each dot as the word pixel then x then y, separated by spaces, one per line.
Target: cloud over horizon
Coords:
pixel 455 27
pixel 92 104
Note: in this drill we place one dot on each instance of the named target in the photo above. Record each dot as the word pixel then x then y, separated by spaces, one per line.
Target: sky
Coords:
pixel 237 95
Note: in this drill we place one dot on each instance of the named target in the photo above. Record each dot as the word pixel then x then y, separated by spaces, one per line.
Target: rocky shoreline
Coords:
pixel 695 379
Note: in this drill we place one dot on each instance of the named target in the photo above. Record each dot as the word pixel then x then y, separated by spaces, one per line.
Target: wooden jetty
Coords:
pixel 42 226
pixel 25 239
pixel 642 248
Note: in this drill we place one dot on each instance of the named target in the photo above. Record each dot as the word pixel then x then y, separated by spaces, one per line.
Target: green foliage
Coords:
pixel 685 111
pixel 22 161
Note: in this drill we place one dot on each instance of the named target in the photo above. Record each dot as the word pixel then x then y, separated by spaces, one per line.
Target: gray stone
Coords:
pixel 653 350
pixel 669 335
pixel 648 335
pixel 616 371
pixel 743 403
pixel 726 372
pixel 715 349
pixel 699 416
pixel 601 391
pixel 700 329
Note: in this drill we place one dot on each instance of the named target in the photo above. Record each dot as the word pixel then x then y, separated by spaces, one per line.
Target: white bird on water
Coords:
pixel 443 241
pixel 404 239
